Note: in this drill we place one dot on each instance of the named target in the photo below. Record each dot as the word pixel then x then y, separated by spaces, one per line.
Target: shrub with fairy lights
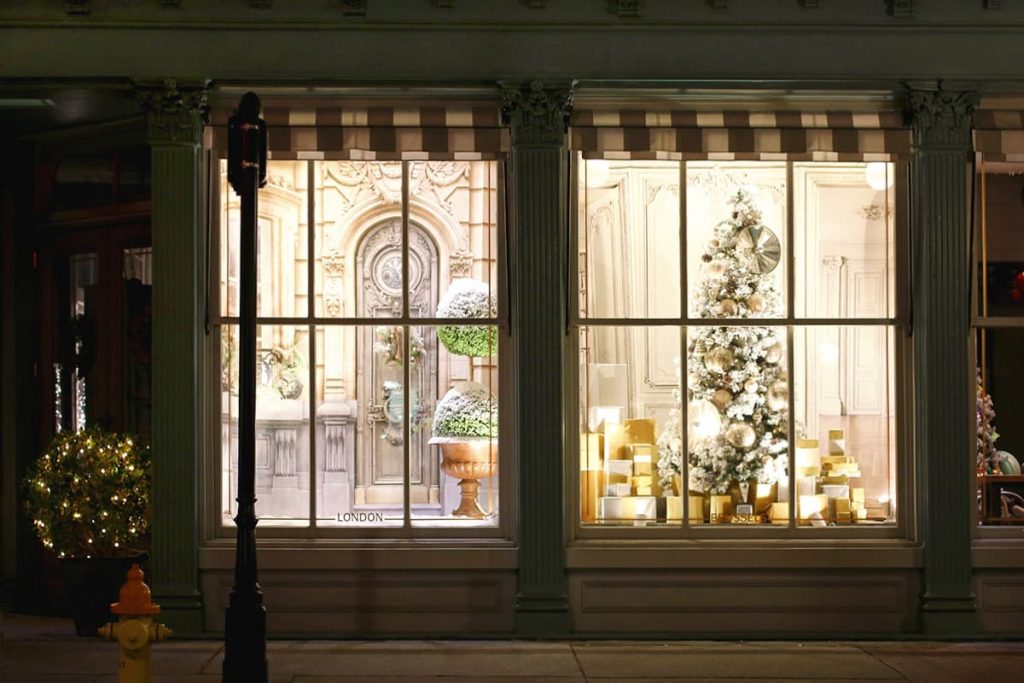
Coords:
pixel 88 494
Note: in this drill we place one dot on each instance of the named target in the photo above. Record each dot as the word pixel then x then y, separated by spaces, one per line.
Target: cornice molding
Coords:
pixel 537 112
pixel 941 117
pixel 175 112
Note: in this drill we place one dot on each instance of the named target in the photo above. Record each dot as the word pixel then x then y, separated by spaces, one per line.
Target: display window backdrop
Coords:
pixel 738 327
pixel 381 334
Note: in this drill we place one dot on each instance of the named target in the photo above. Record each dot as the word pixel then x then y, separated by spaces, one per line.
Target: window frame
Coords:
pixel 900 323
pixel 216 529
pixel 980 324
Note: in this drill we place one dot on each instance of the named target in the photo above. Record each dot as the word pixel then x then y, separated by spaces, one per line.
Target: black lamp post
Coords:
pixel 245 631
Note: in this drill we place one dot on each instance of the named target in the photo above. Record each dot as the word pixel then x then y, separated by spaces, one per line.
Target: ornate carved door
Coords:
pixel 379 468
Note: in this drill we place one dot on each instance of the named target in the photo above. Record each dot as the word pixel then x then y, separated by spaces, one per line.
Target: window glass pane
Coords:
pixel 1001 240
pixel 360 427
pixel 845 403
pixel 844 251
pixel 736 239
pixel 453 208
pixel 358 240
pixel 454 412
pixel 629 239
pixel 1000 423
pixel 281 242
pixel 282 424
pixel 628 424
pixel 738 424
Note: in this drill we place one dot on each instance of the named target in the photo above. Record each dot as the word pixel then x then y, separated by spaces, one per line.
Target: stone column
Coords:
pixel 537 114
pixel 175 112
pixel 944 407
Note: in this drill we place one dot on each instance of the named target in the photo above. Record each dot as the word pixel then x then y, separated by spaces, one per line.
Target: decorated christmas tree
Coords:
pixel 736 385
pixel 987 434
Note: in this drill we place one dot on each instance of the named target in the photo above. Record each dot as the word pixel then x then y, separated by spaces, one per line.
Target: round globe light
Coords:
pixel 878 176
pixel 596 172
pixel 705 420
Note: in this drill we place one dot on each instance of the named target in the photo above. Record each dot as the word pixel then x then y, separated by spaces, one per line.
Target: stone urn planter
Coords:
pixel 469 462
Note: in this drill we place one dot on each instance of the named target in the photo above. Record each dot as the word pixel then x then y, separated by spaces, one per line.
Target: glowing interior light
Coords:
pixel 597 172
pixel 878 176
pixel 705 420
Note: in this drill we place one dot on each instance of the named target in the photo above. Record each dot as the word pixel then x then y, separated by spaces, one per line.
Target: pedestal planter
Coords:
pixel 469 461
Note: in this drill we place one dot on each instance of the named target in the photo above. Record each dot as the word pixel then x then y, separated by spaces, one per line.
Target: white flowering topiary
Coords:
pixel 468 298
pixel 466 412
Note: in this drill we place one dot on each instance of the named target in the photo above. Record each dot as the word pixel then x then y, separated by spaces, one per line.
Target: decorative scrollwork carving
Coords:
pixel 942 117
pixel 175 113
pixel 460 264
pixel 538 114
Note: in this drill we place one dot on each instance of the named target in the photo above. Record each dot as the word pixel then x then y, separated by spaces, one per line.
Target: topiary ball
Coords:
pixel 468 411
pixel 468 298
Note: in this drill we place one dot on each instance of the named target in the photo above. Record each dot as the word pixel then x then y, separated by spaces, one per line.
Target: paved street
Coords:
pixel 39 650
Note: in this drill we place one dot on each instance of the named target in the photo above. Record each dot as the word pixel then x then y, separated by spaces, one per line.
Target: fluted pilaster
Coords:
pixel 944 413
pixel 175 114
pixel 537 114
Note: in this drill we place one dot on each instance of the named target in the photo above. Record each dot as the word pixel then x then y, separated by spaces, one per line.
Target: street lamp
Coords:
pixel 245 624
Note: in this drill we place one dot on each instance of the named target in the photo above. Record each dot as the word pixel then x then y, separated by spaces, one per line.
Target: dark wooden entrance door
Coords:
pixel 96 283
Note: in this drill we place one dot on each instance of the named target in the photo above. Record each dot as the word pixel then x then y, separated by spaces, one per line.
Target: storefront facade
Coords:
pixel 623 185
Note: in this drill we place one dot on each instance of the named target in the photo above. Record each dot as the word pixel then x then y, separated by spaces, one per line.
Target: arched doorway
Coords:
pixel 379 466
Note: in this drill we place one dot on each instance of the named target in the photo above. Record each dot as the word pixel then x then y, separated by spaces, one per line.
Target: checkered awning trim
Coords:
pixel 999 134
pixel 778 135
pixel 468 132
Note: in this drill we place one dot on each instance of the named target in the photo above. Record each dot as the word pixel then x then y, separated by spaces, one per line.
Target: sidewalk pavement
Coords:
pixel 41 650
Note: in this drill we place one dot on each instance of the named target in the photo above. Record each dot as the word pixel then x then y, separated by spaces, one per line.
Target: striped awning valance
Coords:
pixel 999 134
pixel 446 132
pixel 767 135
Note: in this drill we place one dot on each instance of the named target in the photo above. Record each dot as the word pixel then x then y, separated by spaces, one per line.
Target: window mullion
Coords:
pixel 790 355
pixel 684 361
pixel 311 334
pixel 406 394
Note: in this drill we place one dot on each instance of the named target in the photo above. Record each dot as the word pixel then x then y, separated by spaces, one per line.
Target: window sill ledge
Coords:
pixel 306 554
pixel 782 554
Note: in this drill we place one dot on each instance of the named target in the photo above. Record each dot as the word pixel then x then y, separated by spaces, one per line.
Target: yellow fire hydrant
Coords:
pixel 135 629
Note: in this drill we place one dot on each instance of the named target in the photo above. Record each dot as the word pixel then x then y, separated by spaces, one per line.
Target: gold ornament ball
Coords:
pixel 740 435
pixel 756 303
pixel 716 269
pixel 728 308
pixel 722 398
pixel 774 353
pixel 718 360
pixel 750 386
pixel 778 396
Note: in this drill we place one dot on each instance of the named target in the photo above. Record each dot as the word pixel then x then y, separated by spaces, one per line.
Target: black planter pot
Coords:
pixel 92 584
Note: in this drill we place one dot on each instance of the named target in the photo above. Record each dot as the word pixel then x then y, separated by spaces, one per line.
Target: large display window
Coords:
pixel 740 344
pixel 999 328
pixel 379 322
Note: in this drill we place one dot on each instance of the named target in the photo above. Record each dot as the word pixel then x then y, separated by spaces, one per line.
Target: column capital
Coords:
pixel 941 117
pixel 537 112
pixel 175 111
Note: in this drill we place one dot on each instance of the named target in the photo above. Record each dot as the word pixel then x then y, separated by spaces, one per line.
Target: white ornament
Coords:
pixel 705 420
pixel 750 386
pixel 778 396
pixel 740 435
pixel 693 380
pixel 716 269
pixel 774 353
